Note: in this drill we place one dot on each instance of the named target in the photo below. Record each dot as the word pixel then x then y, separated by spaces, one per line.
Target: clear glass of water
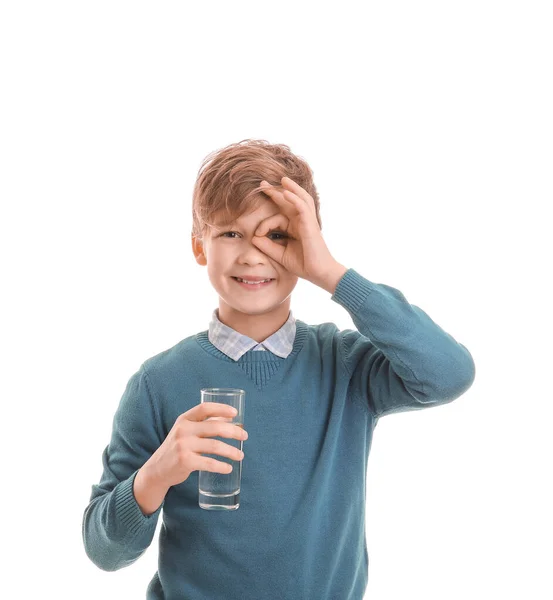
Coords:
pixel 221 491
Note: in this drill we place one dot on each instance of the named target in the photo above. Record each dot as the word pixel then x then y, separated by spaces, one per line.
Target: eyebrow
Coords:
pixel 238 223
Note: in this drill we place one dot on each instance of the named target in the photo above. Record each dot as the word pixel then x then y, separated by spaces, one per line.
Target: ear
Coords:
pixel 198 250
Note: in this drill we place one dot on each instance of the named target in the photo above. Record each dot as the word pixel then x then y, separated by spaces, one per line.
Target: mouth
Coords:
pixel 253 286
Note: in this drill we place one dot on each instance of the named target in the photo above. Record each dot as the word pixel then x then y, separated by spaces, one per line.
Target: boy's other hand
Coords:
pixel 305 252
pixel 181 451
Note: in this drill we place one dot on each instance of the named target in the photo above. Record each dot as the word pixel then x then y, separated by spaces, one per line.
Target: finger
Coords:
pixel 270 248
pixel 278 221
pixel 211 446
pixel 288 198
pixel 285 204
pixel 209 409
pixel 213 428
pixel 302 205
pixel 204 463
pixel 298 190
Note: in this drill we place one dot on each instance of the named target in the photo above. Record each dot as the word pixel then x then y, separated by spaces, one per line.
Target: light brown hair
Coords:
pixel 229 181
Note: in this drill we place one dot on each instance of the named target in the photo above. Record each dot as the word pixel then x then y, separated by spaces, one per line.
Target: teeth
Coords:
pixel 243 280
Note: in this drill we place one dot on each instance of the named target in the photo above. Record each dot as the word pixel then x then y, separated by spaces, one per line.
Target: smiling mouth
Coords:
pixel 253 286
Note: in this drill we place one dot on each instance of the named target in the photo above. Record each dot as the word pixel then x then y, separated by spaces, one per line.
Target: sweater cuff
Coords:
pixel 132 517
pixel 352 290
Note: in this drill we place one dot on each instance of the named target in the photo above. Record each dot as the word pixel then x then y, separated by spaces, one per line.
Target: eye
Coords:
pixel 283 235
pixel 280 233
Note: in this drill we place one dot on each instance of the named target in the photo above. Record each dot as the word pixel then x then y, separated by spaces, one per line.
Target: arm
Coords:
pixel 116 532
pixel 148 491
pixel 399 359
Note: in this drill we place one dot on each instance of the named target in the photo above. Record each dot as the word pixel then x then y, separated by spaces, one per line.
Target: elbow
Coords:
pixel 107 554
pixel 109 567
pixel 110 559
pixel 106 559
pixel 467 371
pixel 462 378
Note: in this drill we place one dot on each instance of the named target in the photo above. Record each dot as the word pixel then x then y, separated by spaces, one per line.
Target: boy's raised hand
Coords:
pixel 305 252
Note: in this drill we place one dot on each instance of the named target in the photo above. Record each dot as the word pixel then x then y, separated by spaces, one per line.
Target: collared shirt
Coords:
pixel 235 344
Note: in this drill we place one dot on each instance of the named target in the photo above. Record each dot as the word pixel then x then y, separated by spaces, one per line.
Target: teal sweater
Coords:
pixel 299 533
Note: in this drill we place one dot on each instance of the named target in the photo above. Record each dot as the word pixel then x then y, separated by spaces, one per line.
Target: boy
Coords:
pixel 313 393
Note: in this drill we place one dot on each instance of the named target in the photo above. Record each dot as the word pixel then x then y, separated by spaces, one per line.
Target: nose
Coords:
pixel 250 254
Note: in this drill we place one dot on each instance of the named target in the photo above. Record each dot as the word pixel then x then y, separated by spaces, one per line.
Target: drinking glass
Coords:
pixel 221 491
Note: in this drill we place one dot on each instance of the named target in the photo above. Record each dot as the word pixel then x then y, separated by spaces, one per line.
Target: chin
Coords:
pixel 260 309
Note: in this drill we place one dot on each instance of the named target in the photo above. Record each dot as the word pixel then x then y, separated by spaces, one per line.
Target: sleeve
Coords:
pixel 399 359
pixel 115 530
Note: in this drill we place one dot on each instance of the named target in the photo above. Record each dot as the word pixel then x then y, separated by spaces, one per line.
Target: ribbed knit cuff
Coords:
pixel 128 510
pixel 352 290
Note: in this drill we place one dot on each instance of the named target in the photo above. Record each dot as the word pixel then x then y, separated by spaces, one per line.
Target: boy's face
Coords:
pixel 229 255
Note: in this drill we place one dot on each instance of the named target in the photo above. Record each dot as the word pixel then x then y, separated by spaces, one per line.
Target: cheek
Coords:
pixel 218 261
pixel 288 280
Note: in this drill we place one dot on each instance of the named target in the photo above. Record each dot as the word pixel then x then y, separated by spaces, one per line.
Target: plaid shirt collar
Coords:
pixel 235 344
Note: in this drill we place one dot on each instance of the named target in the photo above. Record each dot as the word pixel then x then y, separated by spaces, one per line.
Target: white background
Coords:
pixel 428 126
